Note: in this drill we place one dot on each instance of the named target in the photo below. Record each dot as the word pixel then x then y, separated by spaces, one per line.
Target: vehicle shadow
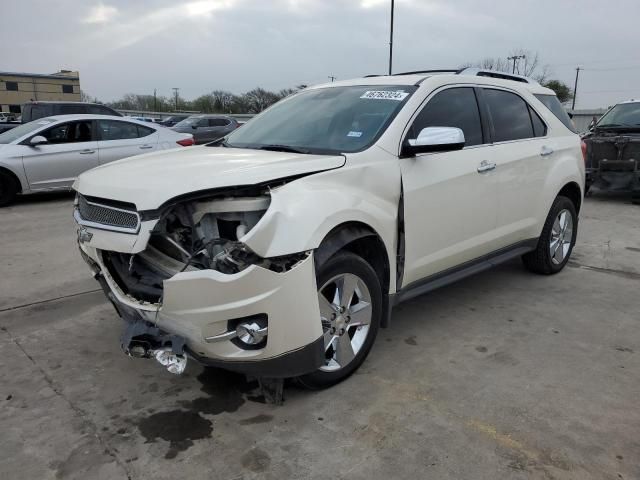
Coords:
pixel 42 198
pixel 609 196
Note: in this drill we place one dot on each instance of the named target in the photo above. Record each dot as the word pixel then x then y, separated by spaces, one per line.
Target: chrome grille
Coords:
pixel 97 215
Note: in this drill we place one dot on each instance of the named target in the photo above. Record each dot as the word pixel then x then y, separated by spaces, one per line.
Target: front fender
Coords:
pixel 303 212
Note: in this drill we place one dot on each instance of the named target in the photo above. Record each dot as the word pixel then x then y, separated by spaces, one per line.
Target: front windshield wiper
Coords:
pixel 282 148
pixel 613 125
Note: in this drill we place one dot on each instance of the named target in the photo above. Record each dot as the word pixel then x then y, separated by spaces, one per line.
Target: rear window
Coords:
pixel 553 104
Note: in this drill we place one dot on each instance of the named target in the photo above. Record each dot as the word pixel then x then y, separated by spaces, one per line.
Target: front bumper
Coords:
pixel 198 305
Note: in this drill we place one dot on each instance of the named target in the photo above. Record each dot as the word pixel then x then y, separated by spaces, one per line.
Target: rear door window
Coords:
pixel 454 107
pixel 218 122
pixel 116 130
pixel 509 114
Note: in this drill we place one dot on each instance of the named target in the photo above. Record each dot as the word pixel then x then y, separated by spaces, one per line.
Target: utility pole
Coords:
pixel 575 89
pixel 155 101
pixel 514 58
pixel 332 78
pixel 175 92
pixel 391 39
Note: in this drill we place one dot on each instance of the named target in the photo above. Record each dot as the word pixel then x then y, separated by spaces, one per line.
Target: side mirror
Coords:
pixel 435 139
pixel 195 127
pixel 38 140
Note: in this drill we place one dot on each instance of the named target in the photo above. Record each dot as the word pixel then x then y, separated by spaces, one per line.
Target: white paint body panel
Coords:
pixel 452 213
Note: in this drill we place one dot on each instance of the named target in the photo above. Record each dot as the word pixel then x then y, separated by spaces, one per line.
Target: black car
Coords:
pixel 613 150
pixel 207 128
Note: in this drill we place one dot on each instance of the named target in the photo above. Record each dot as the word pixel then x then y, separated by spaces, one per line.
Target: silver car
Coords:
pixel 49 153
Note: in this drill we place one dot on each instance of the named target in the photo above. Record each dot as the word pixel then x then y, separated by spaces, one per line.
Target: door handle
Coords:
pixel 85 152
pixel 546 151
pixel 486 167
pixel 144 147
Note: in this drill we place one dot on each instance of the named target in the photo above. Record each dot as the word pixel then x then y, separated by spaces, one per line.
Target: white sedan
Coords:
pixel 49 153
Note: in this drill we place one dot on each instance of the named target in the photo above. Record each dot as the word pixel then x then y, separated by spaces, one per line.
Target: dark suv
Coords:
pixel 613 150
pixel 34 110
pixel 207 128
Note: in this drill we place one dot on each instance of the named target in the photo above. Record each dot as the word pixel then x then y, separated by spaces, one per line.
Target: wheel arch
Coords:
pixel 13 176
pixel 362 240
pixel 573 192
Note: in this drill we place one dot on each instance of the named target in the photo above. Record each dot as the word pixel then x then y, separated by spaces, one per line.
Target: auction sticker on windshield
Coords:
pixel 397 95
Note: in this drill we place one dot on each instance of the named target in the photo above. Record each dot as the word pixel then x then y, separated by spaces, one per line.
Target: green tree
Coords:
pixel 562 90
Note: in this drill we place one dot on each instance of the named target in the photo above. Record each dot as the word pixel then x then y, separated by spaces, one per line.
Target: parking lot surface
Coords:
pixel 503 375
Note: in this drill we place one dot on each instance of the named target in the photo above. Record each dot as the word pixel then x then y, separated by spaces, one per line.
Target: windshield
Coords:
pixel 187 122
pixel 21 130
pixel 622 115
pixel 325 121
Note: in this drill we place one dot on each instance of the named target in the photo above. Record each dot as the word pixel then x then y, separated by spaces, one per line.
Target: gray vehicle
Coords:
pixel 173 120
pixel 207 128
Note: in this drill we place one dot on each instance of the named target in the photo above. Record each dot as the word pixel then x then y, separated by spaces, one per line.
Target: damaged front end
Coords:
pixel 613 160
pixel 196 235
pixel 196 288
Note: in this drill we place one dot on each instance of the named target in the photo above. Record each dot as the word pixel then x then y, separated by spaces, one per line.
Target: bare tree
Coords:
pixel 528 64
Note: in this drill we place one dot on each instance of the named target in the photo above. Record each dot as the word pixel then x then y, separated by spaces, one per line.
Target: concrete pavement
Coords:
pixel 503 375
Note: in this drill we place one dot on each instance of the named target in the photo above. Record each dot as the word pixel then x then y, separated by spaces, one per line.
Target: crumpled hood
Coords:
pixel 150 180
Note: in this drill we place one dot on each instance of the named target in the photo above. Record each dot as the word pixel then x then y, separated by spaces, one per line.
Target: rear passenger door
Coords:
pixel 522 152
pixel 120 139
pixel 450 198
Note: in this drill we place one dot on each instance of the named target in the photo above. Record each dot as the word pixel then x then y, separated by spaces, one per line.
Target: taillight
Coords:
pixel 187 142
pixel 583 147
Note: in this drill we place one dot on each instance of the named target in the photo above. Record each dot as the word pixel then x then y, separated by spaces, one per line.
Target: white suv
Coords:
pixel 280 250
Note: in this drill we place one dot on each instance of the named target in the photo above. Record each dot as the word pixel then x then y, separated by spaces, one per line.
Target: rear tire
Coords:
pixel 8 189
pixel 556 241
pixel 350 299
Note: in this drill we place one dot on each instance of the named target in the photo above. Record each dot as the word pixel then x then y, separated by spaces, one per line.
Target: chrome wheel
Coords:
pixel 346 312
pixel 561 237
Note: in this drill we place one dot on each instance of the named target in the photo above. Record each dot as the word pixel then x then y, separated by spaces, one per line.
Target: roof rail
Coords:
pixel 418 72
pixel 479 72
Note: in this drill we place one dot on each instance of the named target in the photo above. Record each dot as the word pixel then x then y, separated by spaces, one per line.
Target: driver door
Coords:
pixel 450 207
pixel 71 149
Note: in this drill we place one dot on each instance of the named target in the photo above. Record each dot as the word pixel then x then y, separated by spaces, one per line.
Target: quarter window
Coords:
pixel 510 116
pixel 539 128
pixel 73 132
pixel 454 107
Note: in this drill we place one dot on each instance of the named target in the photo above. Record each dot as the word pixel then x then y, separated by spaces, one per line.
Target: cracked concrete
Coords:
pixel 503 375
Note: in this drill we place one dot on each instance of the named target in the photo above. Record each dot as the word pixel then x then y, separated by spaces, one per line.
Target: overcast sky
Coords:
pixel 123 46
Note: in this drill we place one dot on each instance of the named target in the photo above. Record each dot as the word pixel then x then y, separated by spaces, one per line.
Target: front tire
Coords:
pixel 350 299
pixel 556 241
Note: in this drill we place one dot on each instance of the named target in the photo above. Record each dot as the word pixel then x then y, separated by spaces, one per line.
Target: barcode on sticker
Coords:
pixel 398 95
